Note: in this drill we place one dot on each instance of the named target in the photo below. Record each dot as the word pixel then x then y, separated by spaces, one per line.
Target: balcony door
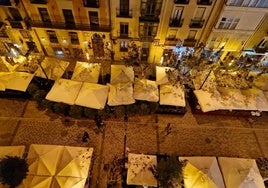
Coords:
pixel 68 16
pixel 124 7
pixel 44 15
pixel 93 18
pixel 15 14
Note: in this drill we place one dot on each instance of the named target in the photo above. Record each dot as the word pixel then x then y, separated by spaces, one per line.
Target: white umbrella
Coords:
pixel 120 94
pixel 240 173
pixel 121 74
pixel 11 151
pixel 53 67
pixel 65 91
pixel 36 182
pixel 75 162
pixel 172 95
pixel 15 80
pixel 161 75
pixel 145 90
pixel 202 172
pixel 92 96
pixel 43 159
pixel 139 172
pixel 68 182
pixel 86 72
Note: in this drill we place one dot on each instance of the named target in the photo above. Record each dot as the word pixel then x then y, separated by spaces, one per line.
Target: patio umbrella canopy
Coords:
pixel 161 75
pixel 146 90
pixel 86 72
pixel 68 182
pixel 121 74
pixel 65 91
pixel 43 159
pixel 242 173
pixel 75 162
pixel 11 151
pixel 120 94
pixel 202 172
pixel 15 80
pixel 53 67
pixel 138 172
pixel 92 96
pixel 36 182
pixel 172 95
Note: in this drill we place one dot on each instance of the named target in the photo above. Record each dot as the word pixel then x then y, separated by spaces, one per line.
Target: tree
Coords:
pixel 169 172
pixel 13 170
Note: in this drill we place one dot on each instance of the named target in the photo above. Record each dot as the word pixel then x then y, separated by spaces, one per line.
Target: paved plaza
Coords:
pixel 21 123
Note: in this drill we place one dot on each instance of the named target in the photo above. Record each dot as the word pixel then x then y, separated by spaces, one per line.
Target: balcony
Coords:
pixel 39 1
pixel 204 2
pixel 149 19
pixel 124 13
pixel 181 1
pixel 196 23
pixel 146 38
pixel 91 3
pixel 9 2
pixel 172 42
pixel 16 24
pixel 189 42
pixel 63 25
pixel 175 22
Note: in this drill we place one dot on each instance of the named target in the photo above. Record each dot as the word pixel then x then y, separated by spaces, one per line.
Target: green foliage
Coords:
pixel 153 107
pixel 89 112
pixel 46 104
pixel 32 88
pixel 144 109
pixel 170 171
pixel 61 108
pixel 119 111
pixel 13 170
pixel 76 111
pixel 39 95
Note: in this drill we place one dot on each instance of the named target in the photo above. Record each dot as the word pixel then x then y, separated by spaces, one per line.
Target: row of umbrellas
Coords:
pixel 53 165
pixel 199 172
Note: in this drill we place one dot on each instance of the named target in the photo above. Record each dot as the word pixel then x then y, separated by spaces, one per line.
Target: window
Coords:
pixel 39 1
pixel 148 29
pixel 123 46
pixel 248 3
pixel 15 13
pixel 181 1
pixel 68 16
pixel 151 8
pixel 124 29
pixel 74 37
pixel 93 17
pixel 25 34
pixel 192 34
pixel 228 23
pixel 204 2
pixel 124 7
pixel 44 15
pixel 91 3
pixel 52 36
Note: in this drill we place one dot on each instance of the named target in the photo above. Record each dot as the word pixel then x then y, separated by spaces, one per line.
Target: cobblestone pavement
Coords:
pixel 191 135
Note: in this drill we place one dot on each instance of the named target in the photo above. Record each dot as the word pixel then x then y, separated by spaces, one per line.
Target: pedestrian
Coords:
pixel 85 137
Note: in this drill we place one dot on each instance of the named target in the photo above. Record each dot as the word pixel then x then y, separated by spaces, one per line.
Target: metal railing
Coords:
pixel 125 13
pixel 197 23
pixel 175 22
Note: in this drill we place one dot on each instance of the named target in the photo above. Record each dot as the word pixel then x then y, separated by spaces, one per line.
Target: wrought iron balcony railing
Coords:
pixel 175 22
pixel 204 2
pixel 189 42
pixel 124 13
pixel 181 1
pixel 172 41
pixel 63 25
pixel 196 23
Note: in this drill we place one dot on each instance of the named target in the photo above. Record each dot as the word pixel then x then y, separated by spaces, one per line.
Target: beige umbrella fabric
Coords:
pixel 36 182
pixel 120 94
pixel 92 96
pixel 86 72
pixel 240 173
pixel 75 162
pixel 161 75
pixel 202 172
pixel 11 151
pixel 53 67
pixel 43 159
pixel 146 90
pixel 68 182
pixel 65 91
pixel 172 95
pixel 138 172
pixel 121 74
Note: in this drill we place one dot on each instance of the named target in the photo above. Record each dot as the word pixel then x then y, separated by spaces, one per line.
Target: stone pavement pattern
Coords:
pixel 191 135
